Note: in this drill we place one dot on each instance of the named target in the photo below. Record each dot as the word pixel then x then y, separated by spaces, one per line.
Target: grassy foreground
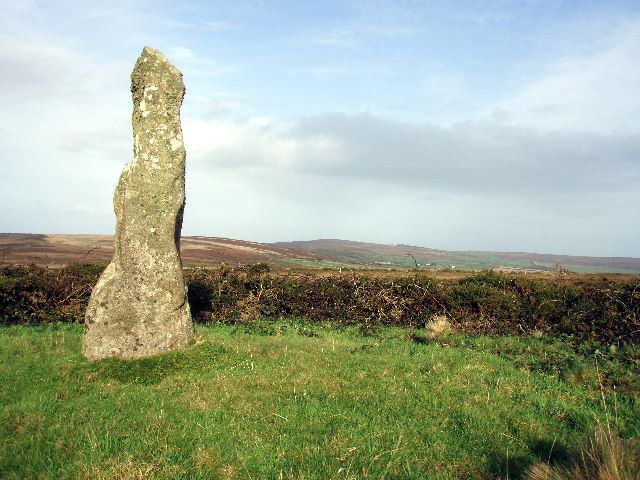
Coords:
pixel 296 401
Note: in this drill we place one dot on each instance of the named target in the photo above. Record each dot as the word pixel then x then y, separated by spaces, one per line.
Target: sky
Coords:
pixel 495 125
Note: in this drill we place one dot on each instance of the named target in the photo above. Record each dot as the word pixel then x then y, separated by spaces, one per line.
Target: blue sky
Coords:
pixel 505 125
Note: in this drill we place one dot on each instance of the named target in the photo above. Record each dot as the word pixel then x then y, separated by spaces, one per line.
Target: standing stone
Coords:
pixel 139 305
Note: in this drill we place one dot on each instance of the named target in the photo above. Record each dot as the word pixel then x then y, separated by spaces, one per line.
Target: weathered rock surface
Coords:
pixel 139 305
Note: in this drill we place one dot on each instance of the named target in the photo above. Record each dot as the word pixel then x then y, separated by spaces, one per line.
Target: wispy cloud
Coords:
pixel 208 25
pixel 336 37
pixel 391 31
pixel 357 34
pixel 597 92
pixel 37 71
pixel 331 71
pixel 218 25
pixel 194 64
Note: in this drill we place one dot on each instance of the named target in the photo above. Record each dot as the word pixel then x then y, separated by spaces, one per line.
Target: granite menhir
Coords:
pixel 139 305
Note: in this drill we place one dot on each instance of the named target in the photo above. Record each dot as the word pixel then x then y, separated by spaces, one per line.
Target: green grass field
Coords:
pixel 296 400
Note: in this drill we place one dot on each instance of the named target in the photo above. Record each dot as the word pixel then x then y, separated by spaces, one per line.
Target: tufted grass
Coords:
pixel 293 400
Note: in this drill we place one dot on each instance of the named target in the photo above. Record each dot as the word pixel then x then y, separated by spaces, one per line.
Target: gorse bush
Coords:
pixel 35 295
pixel 589 308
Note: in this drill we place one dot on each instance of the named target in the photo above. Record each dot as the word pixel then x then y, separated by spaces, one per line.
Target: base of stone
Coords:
pixel 99 343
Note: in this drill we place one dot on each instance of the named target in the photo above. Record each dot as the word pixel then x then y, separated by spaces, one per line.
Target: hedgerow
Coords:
pixel 586 308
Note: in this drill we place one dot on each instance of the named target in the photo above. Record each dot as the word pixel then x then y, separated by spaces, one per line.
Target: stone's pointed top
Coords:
pixel 155 56
pixel 152 52
pixel 153 68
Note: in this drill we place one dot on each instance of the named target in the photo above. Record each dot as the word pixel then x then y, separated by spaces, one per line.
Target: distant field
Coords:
pixel 408 256
pixel 317 254
pixel 298 400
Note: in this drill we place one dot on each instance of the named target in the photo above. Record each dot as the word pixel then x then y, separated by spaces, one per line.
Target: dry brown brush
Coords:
pixel 587 308
pixel 603 456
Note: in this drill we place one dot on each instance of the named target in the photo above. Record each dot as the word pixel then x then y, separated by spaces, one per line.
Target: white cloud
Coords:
pixel 465 157
pixel 39 72
pixel 259 143
pixel 598 92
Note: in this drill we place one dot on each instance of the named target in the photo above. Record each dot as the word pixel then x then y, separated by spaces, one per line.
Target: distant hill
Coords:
pixel 408 256
pixel 41 249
